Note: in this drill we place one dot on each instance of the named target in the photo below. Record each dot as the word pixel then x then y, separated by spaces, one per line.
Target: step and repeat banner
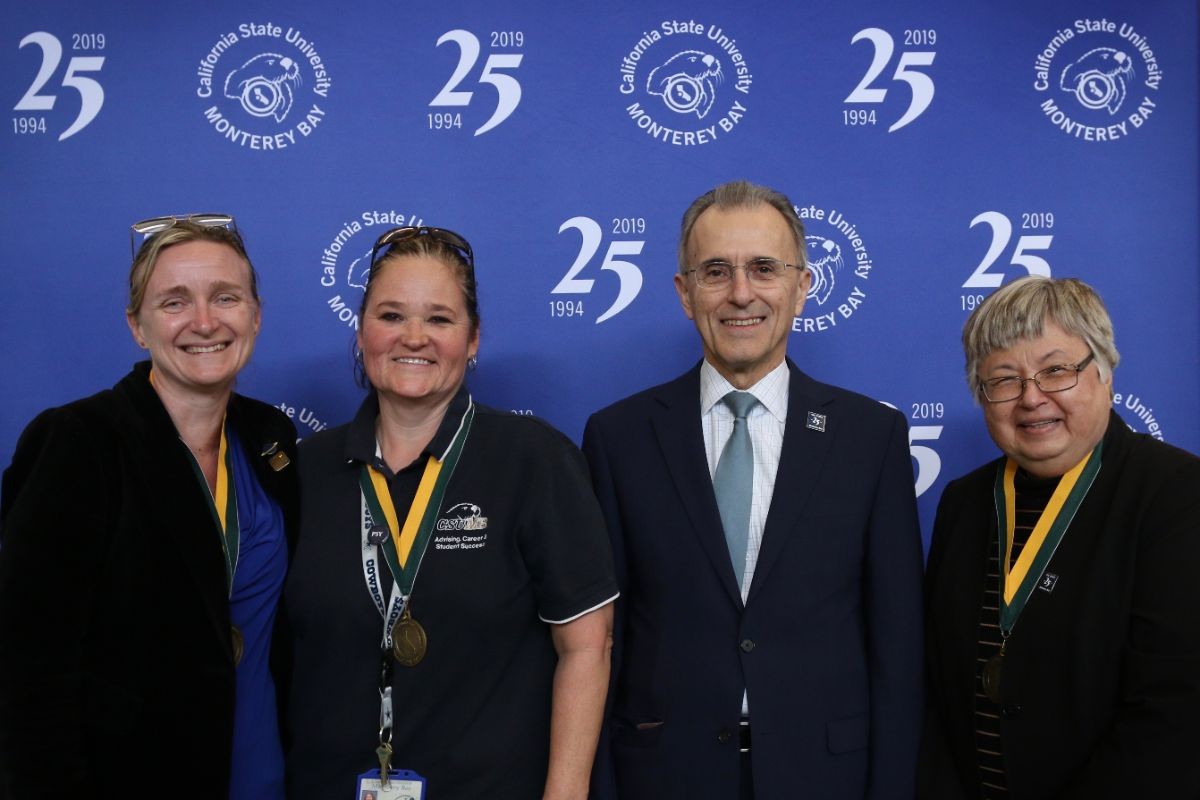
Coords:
pixel 934 149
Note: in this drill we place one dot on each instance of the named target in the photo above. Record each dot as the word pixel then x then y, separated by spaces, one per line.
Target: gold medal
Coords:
pixel 408 641
pixel 238 644
pixel 991 677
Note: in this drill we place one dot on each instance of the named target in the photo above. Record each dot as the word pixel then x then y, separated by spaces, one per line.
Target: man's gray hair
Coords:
pixel 741 194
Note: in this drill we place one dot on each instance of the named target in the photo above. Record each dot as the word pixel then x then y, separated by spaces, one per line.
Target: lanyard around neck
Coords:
pixel 222 503
pixel 403 547
pixel 1018 578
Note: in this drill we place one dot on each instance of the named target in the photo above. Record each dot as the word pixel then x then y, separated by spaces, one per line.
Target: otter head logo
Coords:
pixel 1098 78
pixel 824 262
pixel 465 511
pixel 264 85
pixel 359 271
pixel 686 82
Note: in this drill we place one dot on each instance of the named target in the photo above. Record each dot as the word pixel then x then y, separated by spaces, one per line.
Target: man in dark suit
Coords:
pixel 768 639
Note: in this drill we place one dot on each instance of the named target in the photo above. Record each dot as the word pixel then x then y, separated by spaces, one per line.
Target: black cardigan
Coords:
pixel 116 668
pixel 1101 681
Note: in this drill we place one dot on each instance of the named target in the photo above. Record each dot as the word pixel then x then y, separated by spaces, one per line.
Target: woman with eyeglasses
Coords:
pixel 143 548
pixel 1063 581
pixel 450 601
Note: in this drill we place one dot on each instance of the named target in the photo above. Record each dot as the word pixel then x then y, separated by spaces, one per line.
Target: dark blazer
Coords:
pixel 828 643
pixel 1101 681
pixel 116 665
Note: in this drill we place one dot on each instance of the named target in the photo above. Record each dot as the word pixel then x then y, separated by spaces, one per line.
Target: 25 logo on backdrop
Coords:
pixel 494 72
pixel 1099 78
pixel 927 460
pixel 688 82
pixel 840 265
pixel 263 86
pixel 42 96
pixel 623 244
pixel 861 102
pixel 1025 252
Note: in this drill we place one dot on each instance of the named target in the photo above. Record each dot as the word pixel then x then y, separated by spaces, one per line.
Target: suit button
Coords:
pixel 724 736
pixel 747 645
pixel 1011 711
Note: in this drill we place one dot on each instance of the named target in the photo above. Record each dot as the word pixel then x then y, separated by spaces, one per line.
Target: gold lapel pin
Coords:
pixel 279 459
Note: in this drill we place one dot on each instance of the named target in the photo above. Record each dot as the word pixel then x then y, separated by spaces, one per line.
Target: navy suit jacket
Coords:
pixel 829 642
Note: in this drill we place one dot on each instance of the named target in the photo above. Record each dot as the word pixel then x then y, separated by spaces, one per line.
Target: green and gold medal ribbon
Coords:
pixel 1018 579
pixel 223 504
pixel 404 548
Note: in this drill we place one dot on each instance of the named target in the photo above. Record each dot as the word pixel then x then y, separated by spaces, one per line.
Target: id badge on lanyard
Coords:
pixel 404 641
pixel 401 784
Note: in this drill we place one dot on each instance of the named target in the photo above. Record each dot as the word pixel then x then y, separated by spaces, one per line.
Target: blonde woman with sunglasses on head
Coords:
pixel 145 536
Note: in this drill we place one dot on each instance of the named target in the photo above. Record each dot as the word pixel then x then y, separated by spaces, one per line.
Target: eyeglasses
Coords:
pixel 149 227
pixel 759 271
pixel 450 238
pixel 1058 378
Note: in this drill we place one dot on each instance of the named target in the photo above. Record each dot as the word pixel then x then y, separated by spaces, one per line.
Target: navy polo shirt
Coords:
pixel 519 541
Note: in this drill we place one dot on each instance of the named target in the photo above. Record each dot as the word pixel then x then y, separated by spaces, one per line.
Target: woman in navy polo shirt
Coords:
pixel 450 600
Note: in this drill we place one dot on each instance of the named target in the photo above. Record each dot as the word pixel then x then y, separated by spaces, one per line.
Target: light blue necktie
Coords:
pixel 734 481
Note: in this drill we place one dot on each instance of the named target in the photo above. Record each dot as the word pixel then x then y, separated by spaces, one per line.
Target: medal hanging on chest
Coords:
pixel 1018 578
pixel 404 639
pixel 408 639
pixel 403 548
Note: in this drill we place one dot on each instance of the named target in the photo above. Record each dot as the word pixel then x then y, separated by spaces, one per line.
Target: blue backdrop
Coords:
pixel 935 150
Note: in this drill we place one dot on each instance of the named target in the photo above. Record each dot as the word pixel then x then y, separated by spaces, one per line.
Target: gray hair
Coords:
pixel 1020 310
pixel 741 194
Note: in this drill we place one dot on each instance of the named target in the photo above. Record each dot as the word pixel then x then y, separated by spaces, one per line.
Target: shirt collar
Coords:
pixel 771 390
pixel 360 437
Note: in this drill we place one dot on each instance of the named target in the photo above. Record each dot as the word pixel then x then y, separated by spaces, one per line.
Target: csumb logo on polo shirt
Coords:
pixel 462 527
pixel 1100 79
pixel 463 517
pixel 688 82
pixel 263 86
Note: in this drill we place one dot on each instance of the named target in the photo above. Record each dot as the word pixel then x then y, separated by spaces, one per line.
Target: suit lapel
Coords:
pixel 801 462
pixel 677 427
